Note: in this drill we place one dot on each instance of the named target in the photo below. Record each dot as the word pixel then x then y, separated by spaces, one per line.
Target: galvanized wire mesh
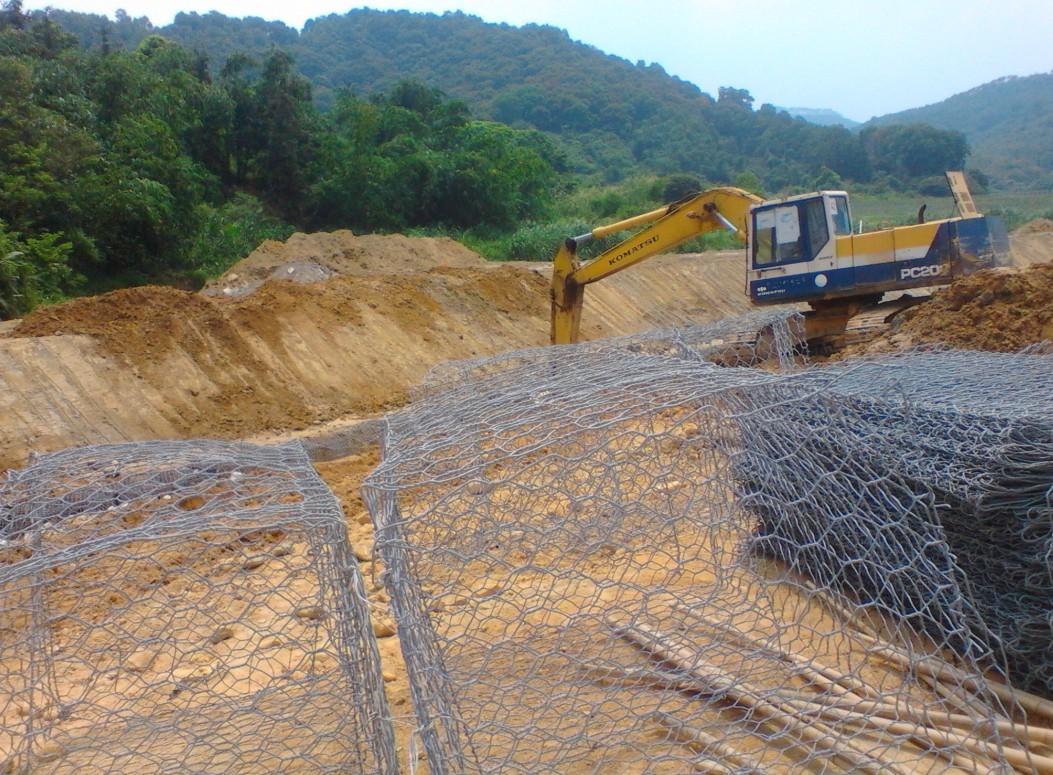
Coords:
pixel 633 559
pixel 774 338
pixel 974 431
pixel 183 607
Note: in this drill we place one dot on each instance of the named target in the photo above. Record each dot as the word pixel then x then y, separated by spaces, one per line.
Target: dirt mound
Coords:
pixel 290 355
pixel 1037 226
pixel 156 362
pixel 139 324
pixel 314 257
pixel 1032 243
pixel 1000 310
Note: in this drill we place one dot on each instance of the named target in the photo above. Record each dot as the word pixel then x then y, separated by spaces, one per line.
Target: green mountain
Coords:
pixel 611 117
pixel 1009 126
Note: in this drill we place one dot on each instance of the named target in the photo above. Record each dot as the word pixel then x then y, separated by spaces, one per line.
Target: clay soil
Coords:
pixel 148 362
pixel 998 310
pixel 157 362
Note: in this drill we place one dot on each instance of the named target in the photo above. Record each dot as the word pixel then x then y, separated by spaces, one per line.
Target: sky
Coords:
pixel 859 57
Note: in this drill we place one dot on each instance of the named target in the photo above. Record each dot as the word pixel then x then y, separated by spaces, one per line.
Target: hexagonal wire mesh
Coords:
pixel 615 558
pixel 183 607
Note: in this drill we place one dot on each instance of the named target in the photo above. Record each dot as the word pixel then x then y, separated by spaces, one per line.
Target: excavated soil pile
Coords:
pixel 139 324
pixel 1032 243
pixel 231 367
pixel 315 257
pixel 998 310
pixel 355 325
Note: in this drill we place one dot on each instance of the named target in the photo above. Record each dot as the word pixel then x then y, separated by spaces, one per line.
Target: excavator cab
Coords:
pixel 792 237
pixel 802 249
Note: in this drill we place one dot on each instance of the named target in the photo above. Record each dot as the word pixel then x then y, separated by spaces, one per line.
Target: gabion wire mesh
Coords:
pixel 773 338
pixel 626 559
pixel 183 607
pixel 972 430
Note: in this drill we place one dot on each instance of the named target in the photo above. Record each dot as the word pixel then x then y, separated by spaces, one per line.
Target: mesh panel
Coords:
pixel 183 607
pixel 626 558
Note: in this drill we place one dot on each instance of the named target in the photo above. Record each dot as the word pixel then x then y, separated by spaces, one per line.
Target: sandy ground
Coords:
pixel 231 619
pixel 157 362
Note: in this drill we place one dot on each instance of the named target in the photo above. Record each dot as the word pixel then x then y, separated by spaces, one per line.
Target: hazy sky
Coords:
pixel 860 57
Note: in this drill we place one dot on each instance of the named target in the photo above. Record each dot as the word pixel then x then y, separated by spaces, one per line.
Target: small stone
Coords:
pixel 253 562
pixel 364 553
pixel 389 676
pixel 364 518
pixel 191 674
pixel 270 642
pixel 383 628
pixel 140 661
pixel 49 751
pixel 310 612
pixel 221 634
pixel 191 503
pixel 479 488
pixel 282 550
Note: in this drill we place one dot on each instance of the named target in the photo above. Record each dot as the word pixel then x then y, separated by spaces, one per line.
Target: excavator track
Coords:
pixel 861 324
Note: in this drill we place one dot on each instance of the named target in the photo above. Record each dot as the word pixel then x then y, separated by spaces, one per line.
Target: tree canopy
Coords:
pixel 118 166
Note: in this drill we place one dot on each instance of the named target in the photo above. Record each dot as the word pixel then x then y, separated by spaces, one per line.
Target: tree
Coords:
pixel 286 118
pixel 11 15
pixel 679 186
pixel 32 271
pixel 740 98
pixel 914 151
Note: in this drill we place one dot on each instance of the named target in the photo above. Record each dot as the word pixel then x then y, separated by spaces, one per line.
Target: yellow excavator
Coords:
pixel 798 249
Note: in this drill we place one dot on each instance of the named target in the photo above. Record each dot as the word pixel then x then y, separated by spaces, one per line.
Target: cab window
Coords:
pixel 764 238
pixel 841 217
pixel 818 232
pixel 789 233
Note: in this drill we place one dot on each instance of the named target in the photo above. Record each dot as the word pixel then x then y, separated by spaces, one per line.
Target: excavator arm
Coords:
pixel 718 208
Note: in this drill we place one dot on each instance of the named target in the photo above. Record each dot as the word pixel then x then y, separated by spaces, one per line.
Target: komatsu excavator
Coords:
pixel 798 249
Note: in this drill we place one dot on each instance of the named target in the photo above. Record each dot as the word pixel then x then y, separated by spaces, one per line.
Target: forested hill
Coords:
pixel 1009 125
pixel 612 118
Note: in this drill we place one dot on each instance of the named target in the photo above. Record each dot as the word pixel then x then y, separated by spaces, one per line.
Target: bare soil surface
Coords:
pixel 1000 310
pixel 157 362
pixel 307 257
pixel 1032 243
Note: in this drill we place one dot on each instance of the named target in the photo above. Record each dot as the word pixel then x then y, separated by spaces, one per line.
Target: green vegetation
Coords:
pixel 31 270
pixel 165 155
pixel 611 119
pixel 121 167
pixel 1008 124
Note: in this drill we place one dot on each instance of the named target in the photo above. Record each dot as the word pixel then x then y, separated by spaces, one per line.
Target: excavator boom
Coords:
pixel 719 208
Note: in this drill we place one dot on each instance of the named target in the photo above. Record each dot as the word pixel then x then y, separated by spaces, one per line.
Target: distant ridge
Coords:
pixel 610 116
pixel 1009 125
pixel 822 117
